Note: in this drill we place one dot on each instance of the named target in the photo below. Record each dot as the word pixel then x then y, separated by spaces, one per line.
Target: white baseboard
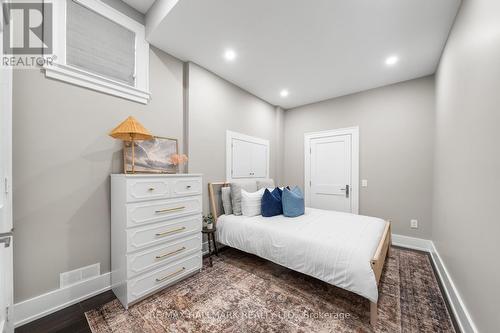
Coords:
pixel 457 305
pixel 43 305
pixel 458 308
pixel 40 306
pixel 412 243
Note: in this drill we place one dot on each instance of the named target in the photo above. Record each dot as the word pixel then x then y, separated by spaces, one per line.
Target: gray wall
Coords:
pixel 280 145
pixel 396 148
pixel 466 223
pixel 63 158
pixel 215 105
pixel 62 161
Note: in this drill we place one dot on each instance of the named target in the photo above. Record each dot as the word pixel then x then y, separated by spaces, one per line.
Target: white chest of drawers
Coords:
pixel 155 232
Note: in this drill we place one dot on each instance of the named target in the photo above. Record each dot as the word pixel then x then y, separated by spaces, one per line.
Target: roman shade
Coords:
pixel 99 45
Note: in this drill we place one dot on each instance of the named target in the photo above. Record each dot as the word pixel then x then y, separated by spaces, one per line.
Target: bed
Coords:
pixel 342 249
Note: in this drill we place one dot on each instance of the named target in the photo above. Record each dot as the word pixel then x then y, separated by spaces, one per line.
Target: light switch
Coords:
pixel 364 182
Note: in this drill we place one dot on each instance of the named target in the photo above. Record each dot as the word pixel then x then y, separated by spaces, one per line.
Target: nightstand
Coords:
pixel 211 238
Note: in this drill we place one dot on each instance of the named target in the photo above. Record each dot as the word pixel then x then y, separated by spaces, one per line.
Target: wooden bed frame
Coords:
pixel 377 261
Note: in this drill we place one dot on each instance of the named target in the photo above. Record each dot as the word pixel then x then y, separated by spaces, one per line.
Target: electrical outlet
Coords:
pixel 414 224
pixel 364 183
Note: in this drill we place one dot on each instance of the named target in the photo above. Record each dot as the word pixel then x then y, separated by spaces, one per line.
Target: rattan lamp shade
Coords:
pixel 130 130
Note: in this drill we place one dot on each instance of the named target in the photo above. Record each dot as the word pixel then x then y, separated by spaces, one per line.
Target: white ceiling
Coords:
pixel 316 49
pixel 140 5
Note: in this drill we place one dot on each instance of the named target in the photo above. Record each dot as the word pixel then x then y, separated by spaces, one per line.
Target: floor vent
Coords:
pixel 78 275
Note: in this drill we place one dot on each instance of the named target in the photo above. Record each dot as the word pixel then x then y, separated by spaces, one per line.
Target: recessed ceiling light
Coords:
pixel 230 55
pixel 284 93
pixel 392 60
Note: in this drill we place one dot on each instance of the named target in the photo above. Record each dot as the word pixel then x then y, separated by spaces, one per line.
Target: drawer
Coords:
pixel 162 255
pixel 159 233
pixel 148 189
pixel 155 211
pixel 148 283
pixel 185 186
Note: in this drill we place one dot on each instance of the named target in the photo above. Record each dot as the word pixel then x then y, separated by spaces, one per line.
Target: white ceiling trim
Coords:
pixel 140 5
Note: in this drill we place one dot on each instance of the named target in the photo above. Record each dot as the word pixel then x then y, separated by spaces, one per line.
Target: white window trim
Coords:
pixel 230 136
pixel 354 132
pixel 60 70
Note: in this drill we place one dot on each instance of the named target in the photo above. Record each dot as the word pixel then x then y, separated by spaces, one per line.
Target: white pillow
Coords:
pixel 265 183
pixel 226 200
pixel 251 202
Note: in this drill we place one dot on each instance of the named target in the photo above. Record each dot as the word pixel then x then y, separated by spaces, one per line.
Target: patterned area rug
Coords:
pixel 243 293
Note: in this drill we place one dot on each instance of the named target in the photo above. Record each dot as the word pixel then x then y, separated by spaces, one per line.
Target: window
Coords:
pixel 99 45
pixel 247 157
pixel 99 48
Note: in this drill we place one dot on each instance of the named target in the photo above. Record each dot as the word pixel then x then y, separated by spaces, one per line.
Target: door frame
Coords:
pixel 354 133
pixel 6 86
pixel 6 130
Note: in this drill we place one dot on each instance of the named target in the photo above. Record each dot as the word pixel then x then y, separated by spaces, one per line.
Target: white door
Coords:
pixel 242 159
pixel 331 170
pixel 259 161
pixel 249 157
pixel 6 290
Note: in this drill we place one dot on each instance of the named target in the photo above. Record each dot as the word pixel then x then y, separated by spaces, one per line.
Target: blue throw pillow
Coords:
pixel 277 192
pixel 293 202
pixel 271 203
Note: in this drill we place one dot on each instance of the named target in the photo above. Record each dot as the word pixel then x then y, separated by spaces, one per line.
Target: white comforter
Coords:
pixel 331 246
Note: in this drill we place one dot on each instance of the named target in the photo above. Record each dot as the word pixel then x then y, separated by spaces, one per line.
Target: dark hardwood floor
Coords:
pixel 69 320
pixel 72 319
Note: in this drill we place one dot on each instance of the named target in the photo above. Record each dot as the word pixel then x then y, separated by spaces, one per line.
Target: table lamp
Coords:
pixel 131 130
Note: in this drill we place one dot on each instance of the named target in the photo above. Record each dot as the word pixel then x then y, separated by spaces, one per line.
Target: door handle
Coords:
pixel 6 11
pixel 5 241
pixel 346 189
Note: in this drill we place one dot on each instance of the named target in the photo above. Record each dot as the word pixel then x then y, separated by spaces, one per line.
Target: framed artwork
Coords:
pixel 152 156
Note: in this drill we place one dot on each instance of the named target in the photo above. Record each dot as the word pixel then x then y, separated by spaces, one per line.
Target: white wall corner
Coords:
pixel 43 305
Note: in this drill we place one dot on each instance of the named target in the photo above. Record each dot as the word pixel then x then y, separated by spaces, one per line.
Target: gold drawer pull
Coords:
pixel 166 233
pixel 171 275
pixel 151 189
pixel 169 210
pixel 163 256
